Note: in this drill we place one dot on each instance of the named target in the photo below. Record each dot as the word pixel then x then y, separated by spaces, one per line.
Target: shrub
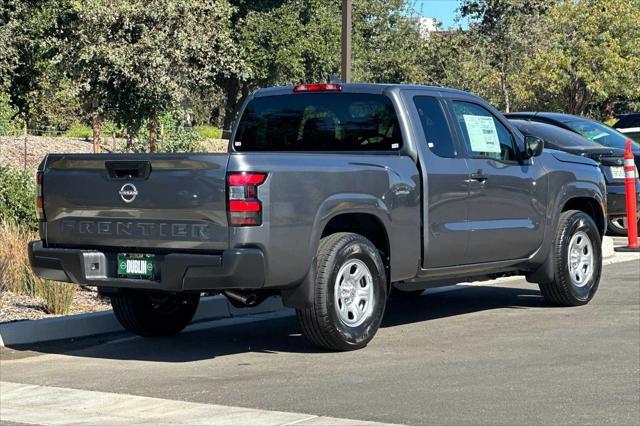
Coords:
pixel 57 297
pixel 17 194
pixel 17 273
pixel 79 131
pixel 9 125
pixel 172 137
pixel 208 132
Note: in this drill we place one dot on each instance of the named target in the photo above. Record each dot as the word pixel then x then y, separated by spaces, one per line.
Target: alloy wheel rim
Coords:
pixel 580 259
pixel 353 293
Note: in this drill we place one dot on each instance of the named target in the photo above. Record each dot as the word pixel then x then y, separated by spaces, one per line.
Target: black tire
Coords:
pixel 616 229
pixel 563 290
pixel 405 294
pixel 154 314
pixel 321 323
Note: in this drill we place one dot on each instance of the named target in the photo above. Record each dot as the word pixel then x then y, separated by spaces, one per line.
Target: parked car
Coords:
pixel 330 196
pixel 610 160
pixel 629 125
pixel 592 130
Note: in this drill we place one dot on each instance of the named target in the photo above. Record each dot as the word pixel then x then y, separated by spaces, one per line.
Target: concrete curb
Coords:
pixel 91 324
pixel 607 247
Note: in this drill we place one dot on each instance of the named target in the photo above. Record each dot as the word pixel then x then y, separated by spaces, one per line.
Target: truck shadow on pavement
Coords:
pixel 283 334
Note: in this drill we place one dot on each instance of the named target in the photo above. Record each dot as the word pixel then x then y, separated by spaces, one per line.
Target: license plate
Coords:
pixel 136 265
pixel 617 172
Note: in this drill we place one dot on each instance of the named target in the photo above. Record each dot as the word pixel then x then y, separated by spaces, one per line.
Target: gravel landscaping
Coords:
pixel 16 307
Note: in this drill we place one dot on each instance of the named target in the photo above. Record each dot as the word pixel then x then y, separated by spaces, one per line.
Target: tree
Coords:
pixel 504 31
pixel 29 60
pixel 140 58
pixel 286 42
pixel 387 45
pixel 591 55
pixel 283 42
pixel 456 59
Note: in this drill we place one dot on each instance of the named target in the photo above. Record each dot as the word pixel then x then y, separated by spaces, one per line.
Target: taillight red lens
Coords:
pixel 39 196
pixel 324 87
pixel 244 207
pixel 240 179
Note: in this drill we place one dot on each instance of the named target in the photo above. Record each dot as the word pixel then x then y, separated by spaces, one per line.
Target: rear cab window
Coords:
pixel 319 122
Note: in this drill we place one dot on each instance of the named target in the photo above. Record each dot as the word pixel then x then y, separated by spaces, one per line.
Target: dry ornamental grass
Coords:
pixel 18 278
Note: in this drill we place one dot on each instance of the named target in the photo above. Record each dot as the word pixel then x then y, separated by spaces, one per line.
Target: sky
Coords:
pixel 443 10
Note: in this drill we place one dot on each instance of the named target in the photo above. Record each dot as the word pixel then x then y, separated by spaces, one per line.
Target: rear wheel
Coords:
pixel 577 261
pixel 350 294
pixel 154 314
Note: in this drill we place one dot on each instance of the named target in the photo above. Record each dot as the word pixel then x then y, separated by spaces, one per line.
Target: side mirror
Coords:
pixel 533 147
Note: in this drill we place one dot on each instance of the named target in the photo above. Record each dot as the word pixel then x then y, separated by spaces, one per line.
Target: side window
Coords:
pixel 434 125
pixel 483 134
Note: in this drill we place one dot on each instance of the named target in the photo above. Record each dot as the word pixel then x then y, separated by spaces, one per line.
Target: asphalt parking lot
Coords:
pixel 486 354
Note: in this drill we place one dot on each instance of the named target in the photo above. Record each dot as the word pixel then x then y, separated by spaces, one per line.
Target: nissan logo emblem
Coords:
pixel 128 192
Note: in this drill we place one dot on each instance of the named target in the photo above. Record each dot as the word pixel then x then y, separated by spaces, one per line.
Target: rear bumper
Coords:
pixel 616 201
pixel 237 268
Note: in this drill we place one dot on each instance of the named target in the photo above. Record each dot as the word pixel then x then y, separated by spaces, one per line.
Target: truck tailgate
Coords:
pixel 145 201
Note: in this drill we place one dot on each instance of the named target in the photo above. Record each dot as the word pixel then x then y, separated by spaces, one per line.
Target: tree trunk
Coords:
pixel 505 91
pixel 96 126
pixel 153 131
pixel 129 147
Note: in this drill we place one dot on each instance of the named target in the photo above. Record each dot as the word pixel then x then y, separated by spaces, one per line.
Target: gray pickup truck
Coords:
pixel 333 197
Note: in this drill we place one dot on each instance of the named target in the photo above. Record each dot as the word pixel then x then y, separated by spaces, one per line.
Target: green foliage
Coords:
pixel 504 31
pixel 79 131
pixel 17 195
pixel 173 137
pixel 590 55
pixel 387 47
pixel 9 124
pixel 30 63
pixel 208 132
pixel 156 55
pixel 203 57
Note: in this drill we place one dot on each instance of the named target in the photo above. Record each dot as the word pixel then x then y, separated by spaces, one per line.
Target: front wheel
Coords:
pixel 154 314
pixel 577 259
pixel 350 294
pixel 617 227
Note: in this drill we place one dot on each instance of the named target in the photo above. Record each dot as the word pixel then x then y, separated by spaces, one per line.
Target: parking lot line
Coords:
pixel 35 404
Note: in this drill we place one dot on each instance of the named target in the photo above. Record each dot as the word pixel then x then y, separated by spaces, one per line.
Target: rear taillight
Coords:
pixel 39 196
pixel 244 207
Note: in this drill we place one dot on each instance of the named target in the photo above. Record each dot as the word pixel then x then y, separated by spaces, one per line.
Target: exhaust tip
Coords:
pixel 251 299
pixel 243 299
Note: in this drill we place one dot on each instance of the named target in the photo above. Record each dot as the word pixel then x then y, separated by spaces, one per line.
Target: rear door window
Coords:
pixel 319 122
pixel 435 127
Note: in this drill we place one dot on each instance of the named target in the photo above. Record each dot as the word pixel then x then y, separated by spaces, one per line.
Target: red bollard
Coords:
pixel 630 189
